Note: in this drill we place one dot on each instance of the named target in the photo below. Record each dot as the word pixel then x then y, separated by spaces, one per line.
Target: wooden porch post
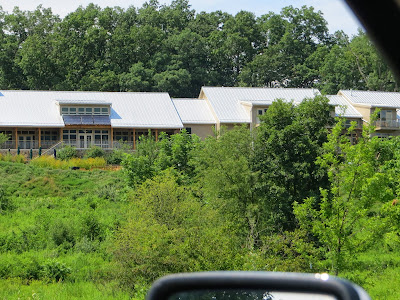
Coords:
pixel 39 137
pixel 61 134
pixel 16 138
pixel 112 138
pixel 134 138
pixel 156 135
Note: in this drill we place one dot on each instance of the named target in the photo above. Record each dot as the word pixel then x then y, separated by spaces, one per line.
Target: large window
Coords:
pixel 48 135
pixel 83 110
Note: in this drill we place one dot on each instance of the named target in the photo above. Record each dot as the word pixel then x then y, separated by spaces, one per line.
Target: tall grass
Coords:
pixel 13 289
pixel 19 158
pixel 48 161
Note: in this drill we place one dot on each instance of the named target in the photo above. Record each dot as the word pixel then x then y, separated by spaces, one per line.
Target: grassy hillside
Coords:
pixel 55 232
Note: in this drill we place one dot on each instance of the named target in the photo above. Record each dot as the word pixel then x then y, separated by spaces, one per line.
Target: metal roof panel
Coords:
pixel 129 110
pixel 193 111
pixel 226 101
pixel 343 108
pixel 372 98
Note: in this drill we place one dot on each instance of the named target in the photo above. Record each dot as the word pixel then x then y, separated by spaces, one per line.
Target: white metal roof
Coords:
pixel 29 109
pixel 343 108
pixel 194 111
pixel 143 110
pixel 372 98
pixel 134 110
pixel 82 102
pixel 227 101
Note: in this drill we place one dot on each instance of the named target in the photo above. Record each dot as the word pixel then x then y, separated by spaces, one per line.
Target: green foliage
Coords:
pixel 228 159
pixel 67 152
pixel 3 138
pixel 152 157
pixel 54 271
pixel 94 151
pixel 173 48
pixel 115 157
pixel 169 231
pixel 347 221
pixel 5 201
pixel 288 142
pixel 18 158
pixel 47 161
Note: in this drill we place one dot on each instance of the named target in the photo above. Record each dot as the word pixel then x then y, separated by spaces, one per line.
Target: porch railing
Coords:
pixel 387 124
pixel 79 144
pixel 11 144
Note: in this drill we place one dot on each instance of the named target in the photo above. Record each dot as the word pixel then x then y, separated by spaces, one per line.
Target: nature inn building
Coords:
pixel 48 119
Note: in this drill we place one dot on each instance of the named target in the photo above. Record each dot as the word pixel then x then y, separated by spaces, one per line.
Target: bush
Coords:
pixel 48 161
pixel 115 157
pixel 54 271
pixel 87 163
pixel 5 202
pixel 94 152
pixel 67 152
pixel 19 158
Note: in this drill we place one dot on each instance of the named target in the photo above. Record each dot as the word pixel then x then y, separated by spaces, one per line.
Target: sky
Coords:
pixel 336 12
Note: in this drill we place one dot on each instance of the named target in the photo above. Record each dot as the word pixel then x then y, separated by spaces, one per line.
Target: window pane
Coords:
pixel 88 110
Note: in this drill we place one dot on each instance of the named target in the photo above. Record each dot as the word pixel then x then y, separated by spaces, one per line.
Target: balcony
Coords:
pixel 387 124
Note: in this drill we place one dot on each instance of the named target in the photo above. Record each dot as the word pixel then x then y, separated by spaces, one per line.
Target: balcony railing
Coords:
pixel 390 124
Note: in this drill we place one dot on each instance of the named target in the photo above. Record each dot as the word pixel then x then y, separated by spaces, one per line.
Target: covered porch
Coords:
pixel 82 137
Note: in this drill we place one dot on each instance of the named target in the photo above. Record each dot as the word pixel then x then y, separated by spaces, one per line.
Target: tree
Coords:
pixel 35 59
pixel 227 182
pixel 345 221
pixel 152 157
pixel 3 138
pixel 138 79
pixel 288 141
pixel 169 231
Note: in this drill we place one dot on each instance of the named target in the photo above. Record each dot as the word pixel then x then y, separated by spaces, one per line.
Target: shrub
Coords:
pixel 62 235
pixel 67 152
pixel 19 158
pixel 94 152
pixel 87 163
pixel 5 202
pixel 48 161
pixel 115 157
pixel 54 271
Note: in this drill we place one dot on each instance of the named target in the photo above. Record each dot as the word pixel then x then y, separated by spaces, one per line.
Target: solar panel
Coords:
pixel 72 120
pixel 101 120
pixel 87 120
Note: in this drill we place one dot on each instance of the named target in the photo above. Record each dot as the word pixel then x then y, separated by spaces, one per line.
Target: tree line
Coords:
pixel 171 48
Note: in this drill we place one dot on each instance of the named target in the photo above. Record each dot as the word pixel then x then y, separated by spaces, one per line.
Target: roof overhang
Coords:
pixel 82 102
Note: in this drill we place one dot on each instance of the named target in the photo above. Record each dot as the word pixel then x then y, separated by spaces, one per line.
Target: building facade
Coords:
pixel 45 119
